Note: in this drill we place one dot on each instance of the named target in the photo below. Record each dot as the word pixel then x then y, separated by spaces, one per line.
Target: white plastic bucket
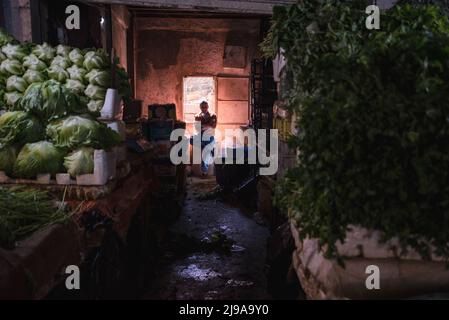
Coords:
pixel 111 105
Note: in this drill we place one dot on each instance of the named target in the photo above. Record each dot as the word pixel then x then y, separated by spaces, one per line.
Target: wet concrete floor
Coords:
pixel 214 250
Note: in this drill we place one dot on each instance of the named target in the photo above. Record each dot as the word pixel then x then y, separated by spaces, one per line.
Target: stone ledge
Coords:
pixel 400 277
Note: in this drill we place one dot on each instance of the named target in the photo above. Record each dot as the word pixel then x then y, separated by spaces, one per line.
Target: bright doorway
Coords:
pixel 196 90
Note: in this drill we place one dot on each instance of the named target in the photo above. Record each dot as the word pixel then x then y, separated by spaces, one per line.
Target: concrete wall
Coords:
pixel 167 49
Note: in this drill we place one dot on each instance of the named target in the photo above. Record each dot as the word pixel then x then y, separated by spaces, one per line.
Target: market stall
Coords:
pixel 64 148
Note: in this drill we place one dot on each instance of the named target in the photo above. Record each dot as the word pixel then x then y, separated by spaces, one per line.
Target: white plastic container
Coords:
pixel 111 106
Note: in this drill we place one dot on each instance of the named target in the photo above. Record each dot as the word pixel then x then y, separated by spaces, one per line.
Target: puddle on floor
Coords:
pixel 196 273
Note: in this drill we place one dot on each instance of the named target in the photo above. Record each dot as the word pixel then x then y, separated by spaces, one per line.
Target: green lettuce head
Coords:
pixel 18 127
pixel 38 158
pixel 16 83
pixel 34 63
pixel 80 162
pixel 77 131
pixel 44 52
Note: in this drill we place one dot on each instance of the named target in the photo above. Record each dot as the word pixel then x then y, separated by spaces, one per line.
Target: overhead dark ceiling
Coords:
pixel 226 7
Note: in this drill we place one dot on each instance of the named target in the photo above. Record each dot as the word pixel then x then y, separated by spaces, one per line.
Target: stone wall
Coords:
pixel 400 276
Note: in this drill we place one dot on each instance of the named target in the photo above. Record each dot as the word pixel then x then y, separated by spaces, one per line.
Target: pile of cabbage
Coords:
pixel 87 73
pixel 50 98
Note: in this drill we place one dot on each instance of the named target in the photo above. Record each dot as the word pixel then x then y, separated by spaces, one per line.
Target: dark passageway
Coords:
pixel 214 251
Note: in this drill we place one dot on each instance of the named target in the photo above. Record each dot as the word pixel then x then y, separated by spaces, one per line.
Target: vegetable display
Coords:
pixel 36 88
pixel 37 63
pixel 49 100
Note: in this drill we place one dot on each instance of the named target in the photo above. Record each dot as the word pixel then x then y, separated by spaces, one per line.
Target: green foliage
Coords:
pixel 373 122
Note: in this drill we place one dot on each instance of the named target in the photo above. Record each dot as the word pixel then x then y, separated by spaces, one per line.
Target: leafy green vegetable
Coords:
pixel 57 73
pixel 32 62
pixel 12 98
pixel 95 105
pixel 19 127
pixel 44 52
pixel 80 162
pixel 76 131
pixel 76 86
pixel 15 83
pixel 95 92
pixel 38 158
pixel 95 60
pixel 76 56
pixel 61 61
pixel 14 51
pixel 32 76
pixel 50 100
pixel 77 73
pixel 11 67
pixel 99 78
pixel 62 50
pixel 8 157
